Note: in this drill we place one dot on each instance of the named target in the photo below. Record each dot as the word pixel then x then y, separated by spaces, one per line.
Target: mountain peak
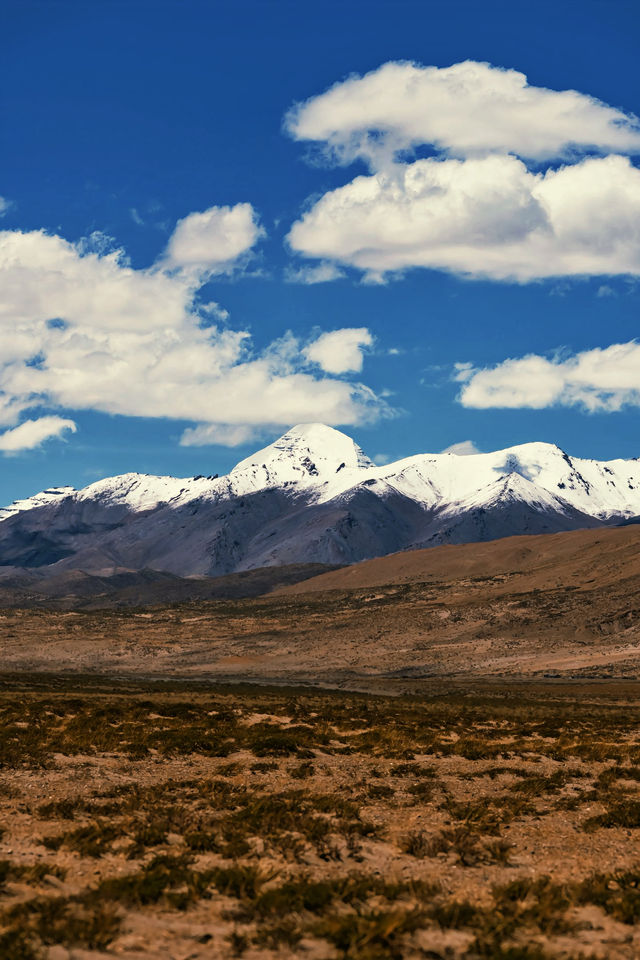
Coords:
pixel 313 448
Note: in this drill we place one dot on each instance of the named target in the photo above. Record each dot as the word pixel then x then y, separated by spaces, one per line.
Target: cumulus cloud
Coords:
pixel 597 380
pixel 215 239
pixel 32 433
pixel 488 217
pixel 81 330
pixel 479 210
pixel 466 448
pixel 468 108
pixel 339 351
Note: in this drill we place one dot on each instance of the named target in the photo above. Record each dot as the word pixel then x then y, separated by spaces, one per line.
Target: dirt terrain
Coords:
pixel 565 606
pixel 172 824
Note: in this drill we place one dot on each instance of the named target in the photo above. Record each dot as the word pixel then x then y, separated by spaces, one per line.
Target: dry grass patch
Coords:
pixel 357 827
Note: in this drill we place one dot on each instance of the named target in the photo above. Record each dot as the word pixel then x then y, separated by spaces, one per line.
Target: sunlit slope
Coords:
pixel 579 560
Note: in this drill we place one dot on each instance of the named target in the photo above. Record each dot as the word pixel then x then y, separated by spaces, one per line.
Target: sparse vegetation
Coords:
pixel 367 827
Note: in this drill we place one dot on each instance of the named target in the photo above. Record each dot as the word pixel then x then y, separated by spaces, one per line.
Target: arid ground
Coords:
pixel 564 605
pixel 487 806
pixel 142 821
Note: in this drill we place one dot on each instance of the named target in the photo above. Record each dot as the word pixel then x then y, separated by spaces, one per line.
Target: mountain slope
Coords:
pixel 605 559
pixel 313 496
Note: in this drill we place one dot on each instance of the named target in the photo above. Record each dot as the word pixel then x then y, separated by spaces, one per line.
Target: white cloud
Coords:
pixel 4 205
pixel 211 433
pixel 81 330
pixel 605 291
pixel 468 108
pixel 597 380
pixel 487 217
pixel 466 448
pixel 479 210
pixel 213 309
pixel 214 240
pixel 380 459
pixel 318 273
pixel 31 433
pixel 339 351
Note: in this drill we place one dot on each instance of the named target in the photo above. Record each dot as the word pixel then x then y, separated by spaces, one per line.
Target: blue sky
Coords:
pixel 121 119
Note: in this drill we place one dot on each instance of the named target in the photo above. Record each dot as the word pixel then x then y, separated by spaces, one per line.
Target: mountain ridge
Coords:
pixel 313 496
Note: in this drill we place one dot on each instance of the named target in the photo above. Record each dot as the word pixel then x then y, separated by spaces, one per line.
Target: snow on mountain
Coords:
pixel 53 495
pixel 508 504
pixel 136 491
pixel 600 489
pixel 313 496
pixel 512 488
pixel 309 454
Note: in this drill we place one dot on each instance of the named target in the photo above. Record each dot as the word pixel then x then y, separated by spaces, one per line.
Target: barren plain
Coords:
pixel 486 806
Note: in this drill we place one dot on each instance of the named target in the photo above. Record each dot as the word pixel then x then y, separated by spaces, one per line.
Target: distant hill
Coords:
pixel 75 590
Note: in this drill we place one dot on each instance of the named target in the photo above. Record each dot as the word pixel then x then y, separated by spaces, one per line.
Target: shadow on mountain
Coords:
pixel 76 590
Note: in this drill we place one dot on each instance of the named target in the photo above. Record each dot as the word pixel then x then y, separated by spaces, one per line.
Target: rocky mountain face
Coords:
pixel 313 496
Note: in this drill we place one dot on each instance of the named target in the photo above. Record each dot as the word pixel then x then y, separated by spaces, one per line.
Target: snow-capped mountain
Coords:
pixel 313 496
